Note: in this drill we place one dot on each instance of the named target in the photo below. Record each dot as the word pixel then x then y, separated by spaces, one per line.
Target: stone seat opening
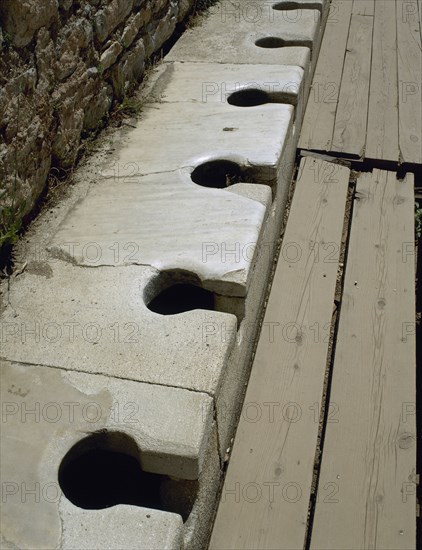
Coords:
pixel 217 174
pixel 180 298
pixel 178 291
pixel 221 173
pixel 288 5
pixel 253 97
pixel 104 470
pixel 276 42
pixel 250 97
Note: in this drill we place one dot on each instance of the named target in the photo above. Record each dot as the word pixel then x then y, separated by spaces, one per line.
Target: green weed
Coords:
pixel 418 220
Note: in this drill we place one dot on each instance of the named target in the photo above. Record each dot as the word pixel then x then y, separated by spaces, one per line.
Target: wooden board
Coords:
pixel 410 75
pixel 351 117
pixel 318 123
pixel 383 115
pixel 364 7
pixel 369 455
pixel 266 493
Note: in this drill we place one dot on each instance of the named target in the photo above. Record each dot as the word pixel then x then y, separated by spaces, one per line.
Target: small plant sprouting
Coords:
pixel 10 223
pixel 130 106
pixel 418 220
pixel 6 40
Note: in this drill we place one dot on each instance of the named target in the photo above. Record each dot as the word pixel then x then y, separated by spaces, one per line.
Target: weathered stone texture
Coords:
pixel 22 18
pixel 63 63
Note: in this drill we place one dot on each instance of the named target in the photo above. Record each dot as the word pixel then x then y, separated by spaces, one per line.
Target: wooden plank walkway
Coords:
pixel 369 455
pixel 266 494
pixel 318 124
pixel 367 93
pixel 410 81
pixel 347 482
pixel 366 495
pixel 383 111
pixel 352 109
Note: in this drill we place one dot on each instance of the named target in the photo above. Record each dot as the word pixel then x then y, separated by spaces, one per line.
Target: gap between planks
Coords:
pixel 369 454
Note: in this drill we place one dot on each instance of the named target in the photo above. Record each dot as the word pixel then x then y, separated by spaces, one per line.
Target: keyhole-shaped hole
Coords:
pixel 180 298
pixel 248 98
pixel 103 470
pixel 287 5
pixel 276 42
pixel 101 478
pixel 217 174
pixel 270 42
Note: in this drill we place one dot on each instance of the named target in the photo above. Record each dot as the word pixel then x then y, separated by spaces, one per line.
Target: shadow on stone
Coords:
pixel 179 291
pixel 180 298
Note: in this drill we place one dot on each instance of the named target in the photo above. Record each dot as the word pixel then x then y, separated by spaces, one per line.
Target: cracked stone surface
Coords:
pixel 95 320
pixel 46 411
pixel 134 222
pixel 228 35
pixel 146 224
pixel 169 138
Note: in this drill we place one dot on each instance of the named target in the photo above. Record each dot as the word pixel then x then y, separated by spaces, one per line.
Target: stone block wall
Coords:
pixel 63 63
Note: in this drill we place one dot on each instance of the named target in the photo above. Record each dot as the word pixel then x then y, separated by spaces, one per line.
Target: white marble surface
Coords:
pixel 95 320
pixel 120 527
pixel 50 410
pixel 171 136
pixel 135 221
pixel 215 82
pixel 228 35
pixel 83 320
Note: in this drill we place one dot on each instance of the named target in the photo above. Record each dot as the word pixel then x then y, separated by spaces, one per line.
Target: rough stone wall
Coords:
pixel 63 63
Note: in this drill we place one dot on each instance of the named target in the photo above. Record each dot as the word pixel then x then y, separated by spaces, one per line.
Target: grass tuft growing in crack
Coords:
pixel 130 106
pixel 418 220
pixel 10 222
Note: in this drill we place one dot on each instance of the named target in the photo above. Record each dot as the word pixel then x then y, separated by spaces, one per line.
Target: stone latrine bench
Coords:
pixel 132 342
